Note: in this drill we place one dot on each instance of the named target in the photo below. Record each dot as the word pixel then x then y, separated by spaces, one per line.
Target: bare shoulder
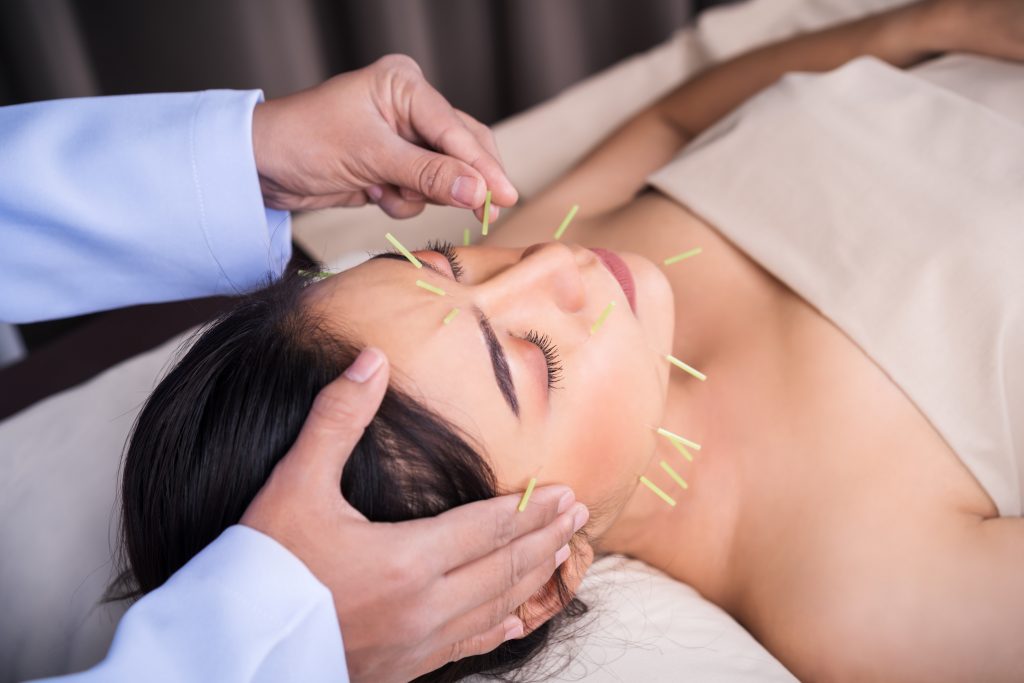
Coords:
pixel 946 607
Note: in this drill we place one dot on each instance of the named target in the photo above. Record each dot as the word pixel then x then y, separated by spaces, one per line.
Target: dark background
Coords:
pixel 491 58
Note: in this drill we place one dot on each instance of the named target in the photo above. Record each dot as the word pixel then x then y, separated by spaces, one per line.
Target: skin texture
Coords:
pixel 825 512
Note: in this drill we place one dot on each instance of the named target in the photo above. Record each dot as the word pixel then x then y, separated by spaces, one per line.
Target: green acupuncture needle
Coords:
pixel 430 288
pixel 402 250
pixel 565 221
pixel 657 491
pixel 675 438
pixel 675 475
pixel 682 257
pixel 601 318
pixel 487 212
pixel 686 368
pixel 526 494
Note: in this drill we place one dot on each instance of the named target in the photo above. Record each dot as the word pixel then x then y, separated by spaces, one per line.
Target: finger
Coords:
pixel 483 134
pixel 440 178
pixel 495 212
pixel 472 531
pixel 436 121
pixel 411 195
pixel 393 203
pixel 477 644
pixel 325 201
pixel 337 419
pixel 493 610
pixel 505 578
pixel 548 603
pixel 534 599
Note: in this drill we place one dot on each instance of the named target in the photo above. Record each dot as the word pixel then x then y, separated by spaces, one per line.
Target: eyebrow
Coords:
pixel 499 362
pixel 398 257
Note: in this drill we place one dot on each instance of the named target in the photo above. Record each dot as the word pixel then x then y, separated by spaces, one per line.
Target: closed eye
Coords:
pixel 445 249
pixel 499 361
pixel 551 358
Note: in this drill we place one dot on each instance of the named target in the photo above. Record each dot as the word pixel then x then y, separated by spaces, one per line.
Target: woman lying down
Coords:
pixel 824 511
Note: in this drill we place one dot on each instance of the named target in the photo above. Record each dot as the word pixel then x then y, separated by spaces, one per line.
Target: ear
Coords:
pixel 553 597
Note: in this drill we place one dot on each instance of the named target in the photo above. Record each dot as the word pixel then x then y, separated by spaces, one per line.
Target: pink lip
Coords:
pixel 617 267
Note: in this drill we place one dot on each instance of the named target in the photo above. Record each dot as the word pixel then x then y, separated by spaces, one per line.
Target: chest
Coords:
pixel 811 451
pixel 837 479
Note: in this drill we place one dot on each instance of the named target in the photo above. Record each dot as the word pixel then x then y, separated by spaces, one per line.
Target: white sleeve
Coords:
pixel 114 201
pixel 243 609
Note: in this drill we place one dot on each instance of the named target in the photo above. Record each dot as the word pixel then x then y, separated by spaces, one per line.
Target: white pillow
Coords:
pixel 58 486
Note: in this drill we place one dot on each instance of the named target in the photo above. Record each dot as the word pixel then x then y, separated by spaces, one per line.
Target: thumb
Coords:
pixel 340 414
pixel 440 178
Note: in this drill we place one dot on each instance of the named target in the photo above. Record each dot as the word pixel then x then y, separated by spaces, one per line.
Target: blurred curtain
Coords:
pixel 491 58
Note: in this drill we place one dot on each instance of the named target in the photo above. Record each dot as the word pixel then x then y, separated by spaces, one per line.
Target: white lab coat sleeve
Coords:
pixel 243 609
pixel 112 201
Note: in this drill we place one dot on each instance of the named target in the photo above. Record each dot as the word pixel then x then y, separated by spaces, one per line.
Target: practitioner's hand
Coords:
pixel 380 134
pixel 415 595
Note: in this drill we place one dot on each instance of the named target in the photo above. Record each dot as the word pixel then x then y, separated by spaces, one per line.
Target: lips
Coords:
pixel 618 268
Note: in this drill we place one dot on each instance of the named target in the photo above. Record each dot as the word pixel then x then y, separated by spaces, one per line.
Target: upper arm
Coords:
pixel 977 590
pixel 948 608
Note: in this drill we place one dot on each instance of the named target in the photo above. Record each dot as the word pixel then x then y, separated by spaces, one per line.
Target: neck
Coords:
pixel 692 540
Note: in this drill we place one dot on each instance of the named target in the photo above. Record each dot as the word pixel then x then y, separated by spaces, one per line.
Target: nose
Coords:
pixel 545 274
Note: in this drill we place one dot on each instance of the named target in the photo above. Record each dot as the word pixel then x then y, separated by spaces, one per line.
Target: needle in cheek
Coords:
pixel 601 318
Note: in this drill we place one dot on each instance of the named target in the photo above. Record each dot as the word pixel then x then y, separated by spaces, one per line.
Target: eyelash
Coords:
pixel 447 249
pixel 541 341
pixel 551 358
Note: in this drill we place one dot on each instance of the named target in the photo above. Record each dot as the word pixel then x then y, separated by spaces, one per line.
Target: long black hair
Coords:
pixel 213 429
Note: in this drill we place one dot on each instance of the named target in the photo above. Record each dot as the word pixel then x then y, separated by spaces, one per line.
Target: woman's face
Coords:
pixel 584 415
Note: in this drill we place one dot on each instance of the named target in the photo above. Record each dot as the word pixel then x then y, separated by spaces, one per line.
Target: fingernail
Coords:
pixel 562 555
pixel 375 192
pixel 567 499
pixel 580 516
pixel 495 212
pixel 366 365
pixel 513 627
pixel 464 190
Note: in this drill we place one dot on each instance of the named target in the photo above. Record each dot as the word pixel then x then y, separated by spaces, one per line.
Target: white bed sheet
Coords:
pixel 59 459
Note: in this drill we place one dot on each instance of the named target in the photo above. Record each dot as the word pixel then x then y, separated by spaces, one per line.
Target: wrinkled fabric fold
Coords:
pixel 895 207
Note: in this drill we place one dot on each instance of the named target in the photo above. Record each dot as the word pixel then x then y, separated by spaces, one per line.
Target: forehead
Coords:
pixel 445 367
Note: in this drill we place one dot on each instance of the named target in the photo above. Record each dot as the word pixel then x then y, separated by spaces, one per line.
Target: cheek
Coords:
pixel 605 433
